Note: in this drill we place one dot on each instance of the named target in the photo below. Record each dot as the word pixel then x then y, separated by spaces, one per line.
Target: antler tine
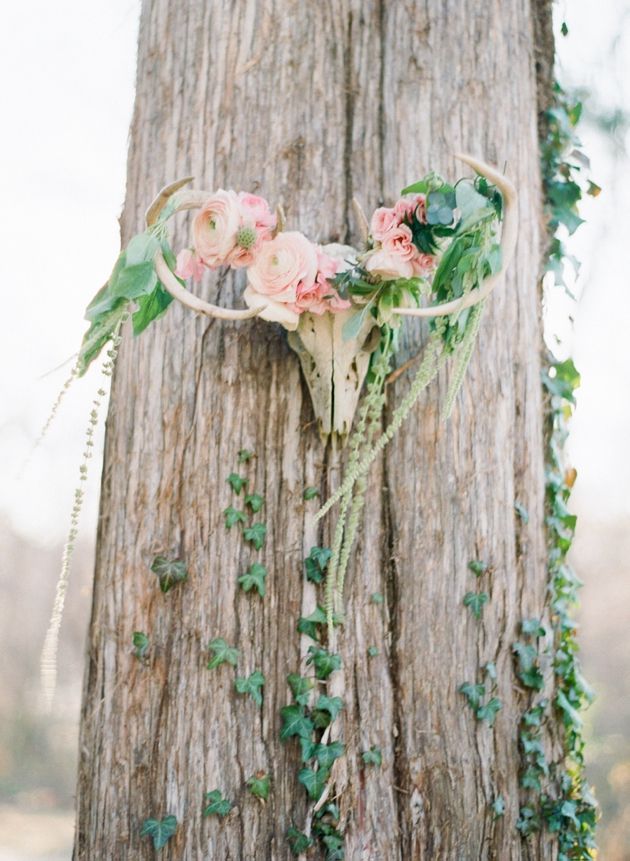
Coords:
pixel 281 220
pixel 187 200
pixel 362 222
pixel 508 244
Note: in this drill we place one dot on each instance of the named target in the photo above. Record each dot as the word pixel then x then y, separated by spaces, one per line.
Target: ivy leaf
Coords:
pixel 478 567
pixel 251 685
pixel 498 806
pixel 522 512
pixel 475 601
pixel 490 669
pixel 316 563
pixel 141 642
pixel 332 705
pixel 256 534
pixel 237 482
pixel 233 516
pixel 223 654
pixel 254 578
pixel 533 628
pixel 309 624
pixel 528 670
pixel 255 502
pixel 258 784
pixel 313 781
pixel 372 651
pixel 473 693
pixel 376 598
pixel 295 722
pixel 217 804
pixel 245 455
pixel 488 712
pixel 301 687
pixel 159 830
pixel 169 572
pixel 310 493
pixel 298 841
pixel 326 754
pixel 373 756
pixel 323 661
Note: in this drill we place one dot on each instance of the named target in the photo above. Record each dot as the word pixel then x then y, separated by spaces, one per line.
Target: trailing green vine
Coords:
pixel 559 797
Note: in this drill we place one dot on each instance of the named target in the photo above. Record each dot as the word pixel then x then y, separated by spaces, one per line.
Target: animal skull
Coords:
pixel 335 368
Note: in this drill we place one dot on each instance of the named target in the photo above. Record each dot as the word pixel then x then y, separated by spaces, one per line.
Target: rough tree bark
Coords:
pixel 311 103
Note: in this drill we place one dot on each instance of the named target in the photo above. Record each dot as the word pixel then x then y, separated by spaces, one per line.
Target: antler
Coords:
pixel 507 244
pixel 187 200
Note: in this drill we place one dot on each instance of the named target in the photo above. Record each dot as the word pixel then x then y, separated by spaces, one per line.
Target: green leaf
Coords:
pixel 522 512
pixel 332 705
pixel 223 654
pixel 376 598
pixel 478 567
pixel 150 308
pixel 316 563
pixel 134 281
pixel 251 685
pixel 473 207
pixel 313 781
pixel 258 784
pixel 326 754
pixel 490 670
pixel 254 501
pixel 169 572
pixel 301 687
pixel 309 624
pixel 256 534
pixel 372 652
pixel 373 756
pixel 498 806
pixel 298 841
pixel 245 455
pixel 159 830
pixel 533 628
pixel 217 804
pixel 233 516
pixel 323 661
pixel 488 711
pixel 295 722
pixel 103 302
pixel 473 693
pixel 237 482
pixel 99 333
pixel 475 601
pixel 254 578
pixel 141 643
pixel 310 493
pixel 141 249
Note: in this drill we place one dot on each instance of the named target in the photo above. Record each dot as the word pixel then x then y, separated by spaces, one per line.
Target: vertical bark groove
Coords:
pixel 310 104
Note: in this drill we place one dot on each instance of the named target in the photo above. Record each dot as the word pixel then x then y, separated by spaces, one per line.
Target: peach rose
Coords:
pixel 383 220
pixel 399 241
pixel 215 227
pixel 406 207
pixel 388 265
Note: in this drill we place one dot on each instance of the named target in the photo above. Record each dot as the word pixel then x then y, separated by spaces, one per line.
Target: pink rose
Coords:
pixel 383 220
pixel 215 227
pixel 388 265
pixel 284 264
pixel 400 241
pixel 406 207
pixel 423 264
pixel 322 295
pixel 189 265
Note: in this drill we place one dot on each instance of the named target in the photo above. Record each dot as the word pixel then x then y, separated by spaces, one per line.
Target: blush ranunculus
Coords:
pixel 215 227
pixel 257 223
pixel 189 265
pixel 383 220
pixel 286 263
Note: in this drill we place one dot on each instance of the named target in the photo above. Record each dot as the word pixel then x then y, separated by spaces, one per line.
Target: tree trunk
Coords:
pixel 310 104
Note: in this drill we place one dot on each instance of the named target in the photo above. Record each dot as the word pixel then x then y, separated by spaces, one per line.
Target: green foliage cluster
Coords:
pixel 559 796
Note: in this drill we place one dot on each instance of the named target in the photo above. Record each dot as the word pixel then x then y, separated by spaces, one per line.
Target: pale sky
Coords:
pixel 68 71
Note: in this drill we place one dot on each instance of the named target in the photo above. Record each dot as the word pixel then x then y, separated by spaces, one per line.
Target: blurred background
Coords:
pixel 63 155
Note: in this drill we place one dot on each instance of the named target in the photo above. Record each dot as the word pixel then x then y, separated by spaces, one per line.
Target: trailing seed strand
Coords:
pixel 462 358
pixel 48 663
